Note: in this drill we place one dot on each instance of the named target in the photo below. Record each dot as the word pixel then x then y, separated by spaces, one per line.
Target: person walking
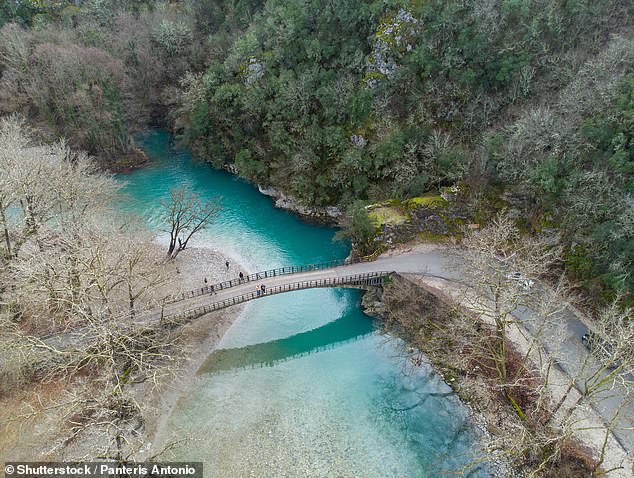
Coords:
pixel 227 265
pixel 212 290
pixel 257 291
pixel 263 288
pixel 241 275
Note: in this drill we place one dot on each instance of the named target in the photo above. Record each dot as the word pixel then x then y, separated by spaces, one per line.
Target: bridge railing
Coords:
pixel 256 276
pixel 368 278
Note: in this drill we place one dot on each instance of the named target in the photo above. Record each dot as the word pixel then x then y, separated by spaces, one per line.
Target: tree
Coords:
pixel 11 142
pixel 604 373
pixel 171 37
pixel 501 266
pixel 358 228
pixel 185 214
pixel 141 270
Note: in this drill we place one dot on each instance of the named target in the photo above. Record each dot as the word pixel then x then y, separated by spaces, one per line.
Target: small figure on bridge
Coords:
pixel 211 288
pixel 257 291
pixel 241 275
pixel 205 280
pixel 263 288
pixel 227 264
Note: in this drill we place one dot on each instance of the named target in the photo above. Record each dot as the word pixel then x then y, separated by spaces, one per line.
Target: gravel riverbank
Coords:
pixel 201 336
pixel 29 436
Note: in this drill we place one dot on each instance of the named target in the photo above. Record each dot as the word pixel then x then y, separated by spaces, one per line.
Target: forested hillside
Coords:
pixel 337 101
pixel 93 72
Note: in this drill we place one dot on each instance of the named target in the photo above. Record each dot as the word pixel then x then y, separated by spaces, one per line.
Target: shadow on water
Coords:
pixel 336 333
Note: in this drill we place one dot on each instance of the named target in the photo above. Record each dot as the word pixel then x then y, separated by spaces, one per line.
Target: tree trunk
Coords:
pixel 6 230
pixel 561 401
pixel 29 213
pixel 74 280
pixel 131 300
pixel 172 245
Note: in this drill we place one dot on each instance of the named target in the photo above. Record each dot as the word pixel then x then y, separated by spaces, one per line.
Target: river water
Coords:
pixel 303 385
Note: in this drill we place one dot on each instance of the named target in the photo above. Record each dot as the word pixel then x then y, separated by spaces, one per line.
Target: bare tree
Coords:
pixel 103 364
pixel 501 267
pixel 185 214
pixel 517 338
pixel 78 272
pixel 141 269
pixel 12 141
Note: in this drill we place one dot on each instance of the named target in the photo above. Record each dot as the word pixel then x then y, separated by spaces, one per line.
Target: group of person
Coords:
pixel 260 290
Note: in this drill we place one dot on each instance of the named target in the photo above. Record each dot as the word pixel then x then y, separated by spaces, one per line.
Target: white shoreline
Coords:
pixel 202 337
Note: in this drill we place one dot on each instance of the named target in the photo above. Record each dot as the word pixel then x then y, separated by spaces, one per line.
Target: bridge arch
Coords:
pixel 355 280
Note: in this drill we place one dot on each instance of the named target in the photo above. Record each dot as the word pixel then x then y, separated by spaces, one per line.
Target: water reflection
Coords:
pixel 338 332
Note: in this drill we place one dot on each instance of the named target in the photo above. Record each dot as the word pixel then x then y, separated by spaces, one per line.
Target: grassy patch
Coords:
pixel 431 237
pixel 387 215
pixel 430 200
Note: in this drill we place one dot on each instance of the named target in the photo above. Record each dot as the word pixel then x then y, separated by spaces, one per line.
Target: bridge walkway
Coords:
pixel 280 280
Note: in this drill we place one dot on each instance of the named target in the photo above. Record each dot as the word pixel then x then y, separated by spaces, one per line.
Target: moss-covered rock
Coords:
pixel 387 215
pixel 252 70
pixel 429 200
pixel 395 35
pixel 434 216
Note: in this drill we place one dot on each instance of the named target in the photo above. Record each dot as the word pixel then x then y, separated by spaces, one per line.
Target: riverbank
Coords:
pixel 327 215
pixel 200 338
pixel 31 433
pixel 422 311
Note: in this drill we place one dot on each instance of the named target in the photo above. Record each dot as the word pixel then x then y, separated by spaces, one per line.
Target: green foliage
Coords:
pixel 293 115
pixel 579 262
pixel 415 186
pixel 248 166
pixel 360 108
pixel 359 228
pixel 20 11
pixel 451 163
pixel 389 150
pixel 104 12
pixel 614 136
pixel 172 37
pixel 545 175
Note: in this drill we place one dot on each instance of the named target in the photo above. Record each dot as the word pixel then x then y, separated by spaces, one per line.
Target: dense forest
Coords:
pixel 341 101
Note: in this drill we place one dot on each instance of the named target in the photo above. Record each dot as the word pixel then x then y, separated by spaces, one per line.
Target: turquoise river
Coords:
pixel 303 384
